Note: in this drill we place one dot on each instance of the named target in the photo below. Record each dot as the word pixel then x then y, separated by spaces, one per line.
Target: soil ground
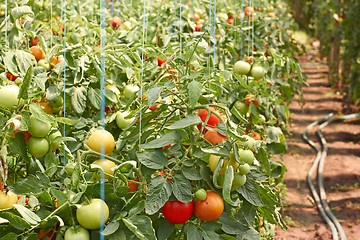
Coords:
pixel 342 167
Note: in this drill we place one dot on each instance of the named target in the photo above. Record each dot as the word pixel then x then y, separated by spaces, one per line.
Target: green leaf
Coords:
pixel 191 173
pixel 9 236
pixel 153 95
pixel 112 227
pixel 40 80
pixel 18 12
pixel 34 184
pixel 24 60
pixel 165 230
pixel 129 72
pixel 159 192
pixel 11 64
pixel 14 220
pixel 247 213
pixel 152 159
pixel 36 110
pixel 188 121
pixel 169 138
pixel 276 148
pixel 194 89
pixel 139 207
pixel 231 225
pixel 229 177
pixel 23 93
pixel 78 99
pixel 250 191
pixel 94 97
pixel 251 233
pixel 182 188
pixel 28 215
pixel 192 232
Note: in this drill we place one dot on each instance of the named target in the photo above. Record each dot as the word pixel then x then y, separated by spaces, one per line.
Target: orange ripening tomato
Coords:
pixel 230 21
pixel 46 107
pixel 132 186
pixel 198 28
pixel 37 52
pixel 214 137
pixel 248 11
pixel 250 98
pixel 196 17
pixel 115 22
pixel 211 208
pixel 256 136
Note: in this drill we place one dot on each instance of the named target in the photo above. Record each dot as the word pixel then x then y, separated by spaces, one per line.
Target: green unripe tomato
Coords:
pixel 9 96
pixel 52 137
pixel 38 128
pixel 200 194
pixel 244 169
pixel 121 122
pixel 38 147
pixel 257 72
pixel 69 168
pixel 77 233
pixel 57 102
pixel 42 63
pixel 239 180
pixel 130 90
pixel 241 107
pixel 89 216
pixel 246 156
pixel 242 67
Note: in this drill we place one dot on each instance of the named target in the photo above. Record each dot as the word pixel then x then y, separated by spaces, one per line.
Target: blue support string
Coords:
pixel 64 46
pixel 214 31
pixel 210 47
pixel 102 105
pixel 242 22
pixel 142 68
pixel 175 31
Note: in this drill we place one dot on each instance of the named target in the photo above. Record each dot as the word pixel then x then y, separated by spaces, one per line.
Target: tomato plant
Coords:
pixel 177 212
pixel 175 151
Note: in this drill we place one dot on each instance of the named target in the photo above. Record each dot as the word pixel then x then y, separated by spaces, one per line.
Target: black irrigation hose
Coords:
pixel 321 201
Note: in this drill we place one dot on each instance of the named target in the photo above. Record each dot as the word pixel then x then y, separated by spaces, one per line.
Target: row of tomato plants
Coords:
pixel 336 25
pixel 175 143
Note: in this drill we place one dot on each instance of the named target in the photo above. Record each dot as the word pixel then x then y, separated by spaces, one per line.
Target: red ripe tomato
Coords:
pixel 198 28
pixel 213 120
pixel 196 17
pixel 177 212
pixel 214 137
pixel 211 208
pixel 132 186
pixel 34 41
pixel 160 61
pixel 115 22
pixel 46 107
pixel 250 98
pixel 11 77
pixel 49 234
pixel 248 11
pixel 162 173
pixel 37 52
pixel 230 21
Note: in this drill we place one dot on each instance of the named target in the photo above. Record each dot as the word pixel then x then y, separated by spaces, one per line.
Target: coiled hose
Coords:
pixel 319 161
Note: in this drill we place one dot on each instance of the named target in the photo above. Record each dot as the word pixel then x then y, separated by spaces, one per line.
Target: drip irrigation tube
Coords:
pixel 320 199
